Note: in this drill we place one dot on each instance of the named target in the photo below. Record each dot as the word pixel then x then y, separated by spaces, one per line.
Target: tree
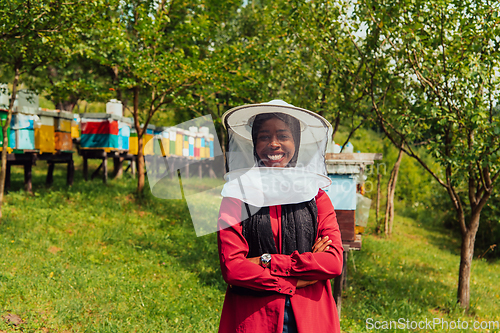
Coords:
pixel 434 82
pixel 391 190
pixel 152 49
pixel 34 33
pixel 318 69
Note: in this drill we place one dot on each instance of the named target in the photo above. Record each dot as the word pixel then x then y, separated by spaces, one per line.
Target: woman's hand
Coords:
pixel 300 283
pixel 305 283
pixel 321 245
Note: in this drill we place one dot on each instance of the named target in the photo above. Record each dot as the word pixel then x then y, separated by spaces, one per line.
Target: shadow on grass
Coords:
pixel 437 234
pixel 392 287
pixel 197 254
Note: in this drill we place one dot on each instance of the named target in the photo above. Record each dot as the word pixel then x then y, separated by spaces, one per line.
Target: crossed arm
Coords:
pixel 321 245
pixel 287 272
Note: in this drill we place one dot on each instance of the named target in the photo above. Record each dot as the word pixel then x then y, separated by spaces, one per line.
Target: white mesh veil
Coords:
pixel 259 184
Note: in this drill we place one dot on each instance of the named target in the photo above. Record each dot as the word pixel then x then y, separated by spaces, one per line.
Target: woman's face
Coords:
pixel 275 145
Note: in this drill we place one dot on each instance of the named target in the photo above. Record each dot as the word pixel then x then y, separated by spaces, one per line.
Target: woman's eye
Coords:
pixel 284 137
pixel 263 137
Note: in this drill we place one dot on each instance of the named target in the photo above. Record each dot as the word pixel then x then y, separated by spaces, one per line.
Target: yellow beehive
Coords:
pixel 45 134
pixel 75 127
pixel 133 143
pixel 148 136
pixel 179 141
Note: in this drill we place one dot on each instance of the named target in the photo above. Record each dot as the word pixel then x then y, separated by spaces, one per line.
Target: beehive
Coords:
pixel 197 146
pixel 191 141
pixel 63 140
pixel 75 126
pixel 99 131
pixel 24 119
pixel 163 136
pixel 185 143
pixel 45 133
pixel 148 136
pixel 172 136
pixel 179 140
pixel 133 144
pixel 124 131
pixel 211 146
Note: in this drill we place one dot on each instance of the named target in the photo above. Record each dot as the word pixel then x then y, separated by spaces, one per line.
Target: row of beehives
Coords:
pixel 49 131
pixel 32 128
pixel 43 130
pixel 112 132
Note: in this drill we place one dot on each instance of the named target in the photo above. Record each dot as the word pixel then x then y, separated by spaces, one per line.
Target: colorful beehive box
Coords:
pixel 23 122
pixel 157 141
pixel 179 141
pixel 148 136
pixel 22 134
pixel 211 146
pixel 99 131
pixel 346 170
pixel 185 143
pixel 45 133
pixel 75 126
pixel 172 136
pixel 162 134
pixel 63 140
pixel 133 144
pixel 191 141
pixel 124 130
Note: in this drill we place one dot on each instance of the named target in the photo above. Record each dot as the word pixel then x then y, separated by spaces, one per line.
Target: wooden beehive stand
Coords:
pixel 346 166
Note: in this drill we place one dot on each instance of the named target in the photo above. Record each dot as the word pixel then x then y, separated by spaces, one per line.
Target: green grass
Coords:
pixel 413 275
pixel 95 258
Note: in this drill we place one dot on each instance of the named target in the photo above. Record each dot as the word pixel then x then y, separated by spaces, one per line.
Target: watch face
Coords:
pixel 266 257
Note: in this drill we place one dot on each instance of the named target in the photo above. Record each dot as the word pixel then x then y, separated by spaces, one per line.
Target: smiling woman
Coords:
pixel 279 241
pixel 276 139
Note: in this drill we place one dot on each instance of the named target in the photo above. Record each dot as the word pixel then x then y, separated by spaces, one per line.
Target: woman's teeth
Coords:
pixel 275 157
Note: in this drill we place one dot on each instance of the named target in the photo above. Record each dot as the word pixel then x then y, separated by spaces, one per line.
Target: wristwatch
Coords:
pixel 265 260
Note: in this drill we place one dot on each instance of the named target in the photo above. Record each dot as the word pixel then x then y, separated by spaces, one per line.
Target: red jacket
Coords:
pixel 313 306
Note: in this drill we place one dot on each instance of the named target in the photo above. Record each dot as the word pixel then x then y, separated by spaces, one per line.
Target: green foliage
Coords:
pixel 434 71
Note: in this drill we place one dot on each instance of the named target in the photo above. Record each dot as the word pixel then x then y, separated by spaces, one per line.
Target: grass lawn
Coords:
pixel 94 258
pixel 414 276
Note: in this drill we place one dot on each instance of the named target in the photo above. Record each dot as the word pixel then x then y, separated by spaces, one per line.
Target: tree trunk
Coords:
pixel 67 105
pixel 3 172
pixel 466 256
pixel 391 189
pixel 140 165
pixel 377 220
pixel 140 135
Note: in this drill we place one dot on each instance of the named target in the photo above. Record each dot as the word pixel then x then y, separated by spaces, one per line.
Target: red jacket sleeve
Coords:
pixel 233 251
pixel 315 266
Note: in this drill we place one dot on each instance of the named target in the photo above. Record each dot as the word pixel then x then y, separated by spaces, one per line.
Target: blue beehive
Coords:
pixel 342 191
pixel 24 119
pixel 124 126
